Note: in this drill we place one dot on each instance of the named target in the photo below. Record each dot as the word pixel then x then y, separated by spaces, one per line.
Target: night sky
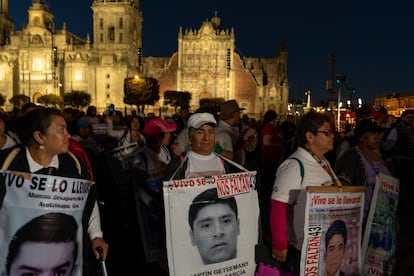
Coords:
pixel 373 42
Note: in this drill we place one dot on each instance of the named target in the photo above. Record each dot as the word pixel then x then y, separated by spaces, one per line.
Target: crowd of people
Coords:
pixel 128 156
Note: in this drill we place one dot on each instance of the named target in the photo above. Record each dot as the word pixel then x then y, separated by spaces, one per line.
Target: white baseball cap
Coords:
pixel 197 120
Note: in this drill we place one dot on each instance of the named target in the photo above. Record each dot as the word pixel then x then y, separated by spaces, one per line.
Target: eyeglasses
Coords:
pixel 327 132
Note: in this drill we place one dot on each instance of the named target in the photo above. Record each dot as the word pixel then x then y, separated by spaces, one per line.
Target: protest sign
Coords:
pixel 33 206
pixel 332 232
pixel 378 244
pixel 212 224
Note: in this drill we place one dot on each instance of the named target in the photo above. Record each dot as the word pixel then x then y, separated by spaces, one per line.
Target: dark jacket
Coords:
pixel 67 168
pixel 351 169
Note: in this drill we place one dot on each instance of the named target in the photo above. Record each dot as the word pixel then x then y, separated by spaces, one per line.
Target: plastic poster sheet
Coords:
pixel 183 246
pixel 57 200
pixel 379 238
pixel 326 206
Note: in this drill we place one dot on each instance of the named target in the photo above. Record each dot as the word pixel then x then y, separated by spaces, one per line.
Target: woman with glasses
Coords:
pixel 314 138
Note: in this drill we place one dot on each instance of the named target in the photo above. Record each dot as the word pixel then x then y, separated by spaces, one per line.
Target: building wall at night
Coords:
pixel 395 103
pixel 42 59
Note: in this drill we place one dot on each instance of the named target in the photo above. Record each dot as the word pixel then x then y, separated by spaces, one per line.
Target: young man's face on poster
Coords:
pixel 334 254
pixel 44 258
pixel 215 232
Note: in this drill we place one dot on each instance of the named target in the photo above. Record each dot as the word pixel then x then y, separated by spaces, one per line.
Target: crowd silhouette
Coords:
pixel 129 155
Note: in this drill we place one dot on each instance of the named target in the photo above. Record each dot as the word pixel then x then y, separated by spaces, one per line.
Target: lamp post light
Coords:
pixel 359 102
pixel 339 115
pixel 308 101
pixel 351 91
pixel 340 80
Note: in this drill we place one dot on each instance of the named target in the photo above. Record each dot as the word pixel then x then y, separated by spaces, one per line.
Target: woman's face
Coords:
pixel 166 140
pixel 203 139
pixel 370 140
pixel 135 124
pixel 56 138
pixel 323 139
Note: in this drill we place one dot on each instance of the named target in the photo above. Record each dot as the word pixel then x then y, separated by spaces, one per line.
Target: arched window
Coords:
pixel 111 34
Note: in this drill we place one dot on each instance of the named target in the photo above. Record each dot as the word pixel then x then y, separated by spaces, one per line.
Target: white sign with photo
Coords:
pixel 378 246
pixel 42 215
pixel 333 221
pixel 212 224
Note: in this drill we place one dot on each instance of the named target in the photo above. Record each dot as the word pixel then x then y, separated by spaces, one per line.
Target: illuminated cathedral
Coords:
pixel 42 59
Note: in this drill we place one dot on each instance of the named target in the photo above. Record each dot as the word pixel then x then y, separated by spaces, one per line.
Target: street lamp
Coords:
pixel 359 102
pixel 339 115
pixel 308 101
pixel 340 79
pixel 351 91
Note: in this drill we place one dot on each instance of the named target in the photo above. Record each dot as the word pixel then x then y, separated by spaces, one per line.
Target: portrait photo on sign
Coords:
pixel 214 226
pixel 46 245
pixel 339 253
pixel 206 231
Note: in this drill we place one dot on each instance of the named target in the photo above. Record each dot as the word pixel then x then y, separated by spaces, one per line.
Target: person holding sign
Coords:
pixel 307 166
pixel 200 160
pixel 148 171
pixel 214 226
pixel 364 165
pixel 44 150
pixel 46 245
pixel 361 164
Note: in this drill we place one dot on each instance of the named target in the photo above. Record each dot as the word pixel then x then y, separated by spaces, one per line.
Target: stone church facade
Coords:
pixel 41 59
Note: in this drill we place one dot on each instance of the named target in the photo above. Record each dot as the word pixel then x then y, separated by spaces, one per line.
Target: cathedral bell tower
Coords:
pixel 117 39
pixel 6 23
pixel 117 26
pixel 40 17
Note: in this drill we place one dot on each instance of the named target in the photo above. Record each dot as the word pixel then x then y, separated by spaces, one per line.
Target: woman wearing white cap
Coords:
pixel 200 160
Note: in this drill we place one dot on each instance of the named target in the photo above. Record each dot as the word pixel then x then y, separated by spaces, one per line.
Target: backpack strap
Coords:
pixel 10 158
pixel 123 137
pixel 78 166
pixel 181 166
pixel 302 169
pixel 240 167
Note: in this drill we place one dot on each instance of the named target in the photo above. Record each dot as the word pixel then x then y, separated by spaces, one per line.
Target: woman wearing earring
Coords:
pixel 44 150
pixel 314 138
